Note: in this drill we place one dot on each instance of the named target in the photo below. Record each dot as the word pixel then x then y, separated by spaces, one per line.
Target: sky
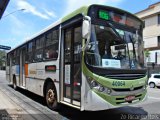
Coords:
pixel 17 25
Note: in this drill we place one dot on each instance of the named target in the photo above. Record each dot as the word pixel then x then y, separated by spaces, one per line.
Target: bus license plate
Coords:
pixel 130 98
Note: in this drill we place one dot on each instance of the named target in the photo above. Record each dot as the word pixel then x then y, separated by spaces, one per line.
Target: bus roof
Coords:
pixel 82 10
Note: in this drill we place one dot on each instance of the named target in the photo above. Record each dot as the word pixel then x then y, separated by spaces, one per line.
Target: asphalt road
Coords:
pixel 25 105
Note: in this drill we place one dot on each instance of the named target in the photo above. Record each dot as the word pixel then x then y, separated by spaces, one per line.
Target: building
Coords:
pixel 3 5
pixel 151 32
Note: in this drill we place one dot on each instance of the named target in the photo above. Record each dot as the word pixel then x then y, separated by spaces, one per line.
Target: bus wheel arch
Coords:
pixel 14 82
pixel 50 94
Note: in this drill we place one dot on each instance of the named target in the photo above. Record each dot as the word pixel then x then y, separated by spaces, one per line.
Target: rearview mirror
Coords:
pixel 86 30
pixel 86 27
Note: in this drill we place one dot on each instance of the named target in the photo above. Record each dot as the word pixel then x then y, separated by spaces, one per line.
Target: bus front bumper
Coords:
pixel 95 102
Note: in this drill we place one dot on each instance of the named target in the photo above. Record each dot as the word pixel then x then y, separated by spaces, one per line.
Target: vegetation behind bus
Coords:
pixel 2 59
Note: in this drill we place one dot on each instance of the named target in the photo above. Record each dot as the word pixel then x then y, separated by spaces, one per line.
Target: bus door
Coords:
pixel 22 67
pixel 72 65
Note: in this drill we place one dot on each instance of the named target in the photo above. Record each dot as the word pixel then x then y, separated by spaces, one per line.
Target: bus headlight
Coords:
pixel 109 91
pixel 101 88
pixel 95 85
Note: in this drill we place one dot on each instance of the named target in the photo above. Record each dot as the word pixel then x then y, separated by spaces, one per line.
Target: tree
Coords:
pixel 147 53
pixel 2 58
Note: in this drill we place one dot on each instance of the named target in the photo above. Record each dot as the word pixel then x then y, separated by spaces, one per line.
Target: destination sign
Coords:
pixel 121 18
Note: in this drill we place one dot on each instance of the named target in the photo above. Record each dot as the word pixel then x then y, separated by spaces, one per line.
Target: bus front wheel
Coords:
pixel 51 96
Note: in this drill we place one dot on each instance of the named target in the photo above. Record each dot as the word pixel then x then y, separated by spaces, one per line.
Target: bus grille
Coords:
pixel 125 76
pixel 126 89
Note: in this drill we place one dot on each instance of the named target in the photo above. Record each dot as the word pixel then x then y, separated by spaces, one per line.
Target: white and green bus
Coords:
pixel 92 60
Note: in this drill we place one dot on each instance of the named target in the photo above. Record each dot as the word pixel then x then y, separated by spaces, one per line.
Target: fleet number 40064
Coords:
pixel 118 83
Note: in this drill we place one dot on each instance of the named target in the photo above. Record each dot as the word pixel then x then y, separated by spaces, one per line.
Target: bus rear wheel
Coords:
pixel 14 83
pixel 51 96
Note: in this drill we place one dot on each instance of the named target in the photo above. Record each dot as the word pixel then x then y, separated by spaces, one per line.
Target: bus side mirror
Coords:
pixel 86 27
pixel 86 30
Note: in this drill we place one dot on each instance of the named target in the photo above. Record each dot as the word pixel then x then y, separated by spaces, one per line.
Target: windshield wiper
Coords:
pixel 116 33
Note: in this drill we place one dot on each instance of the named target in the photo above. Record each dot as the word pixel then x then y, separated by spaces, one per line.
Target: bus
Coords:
pixel 92 59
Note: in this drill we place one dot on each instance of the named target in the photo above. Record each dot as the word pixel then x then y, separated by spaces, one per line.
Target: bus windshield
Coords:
pixel 112 47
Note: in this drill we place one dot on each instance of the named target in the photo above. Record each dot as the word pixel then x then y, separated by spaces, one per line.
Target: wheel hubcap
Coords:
pixel 50 96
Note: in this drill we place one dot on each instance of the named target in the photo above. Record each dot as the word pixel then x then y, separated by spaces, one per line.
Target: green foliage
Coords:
pixel 147 53
pixel 2 57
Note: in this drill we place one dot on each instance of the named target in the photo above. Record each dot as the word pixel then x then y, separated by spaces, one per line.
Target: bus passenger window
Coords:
pixel 39 55
pixel 51 46
pixel 50 54
pixel 30 52
pixel 13 58
pixel 8 59
pixel 39 48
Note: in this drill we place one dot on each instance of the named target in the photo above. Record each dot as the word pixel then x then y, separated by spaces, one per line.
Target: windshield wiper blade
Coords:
pixel 116 33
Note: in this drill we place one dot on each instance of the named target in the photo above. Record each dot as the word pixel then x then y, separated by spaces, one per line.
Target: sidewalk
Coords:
pixel 7 104
pixel 16 106
pixel 3 77
pixel 8 108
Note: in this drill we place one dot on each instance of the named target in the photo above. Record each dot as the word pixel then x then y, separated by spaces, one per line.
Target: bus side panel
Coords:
pixel 43 70
pixel 7 74
pixel 17 72
pixel 35 85
pixel 13 69
pixel 32 70
pixel 37 74
pixel 32 82
pixel 51 74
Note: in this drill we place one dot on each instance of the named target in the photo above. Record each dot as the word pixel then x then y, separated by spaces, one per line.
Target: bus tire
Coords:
pixel 51 96
pixel 14 83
